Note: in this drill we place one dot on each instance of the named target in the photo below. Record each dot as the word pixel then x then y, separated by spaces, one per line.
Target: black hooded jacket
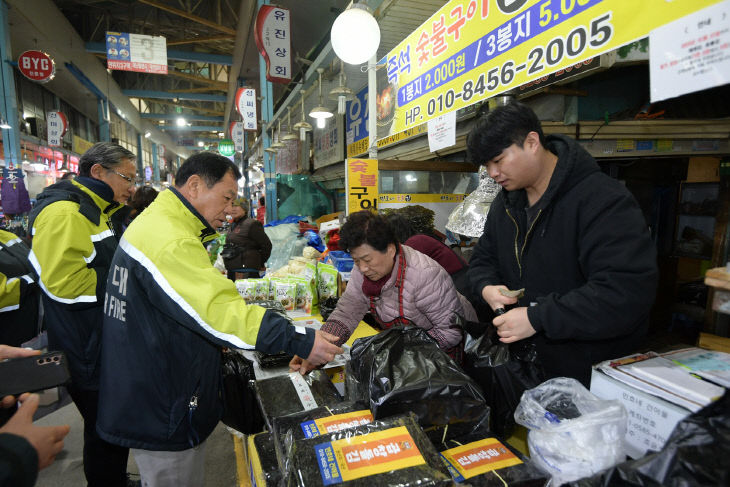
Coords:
pixel 587 263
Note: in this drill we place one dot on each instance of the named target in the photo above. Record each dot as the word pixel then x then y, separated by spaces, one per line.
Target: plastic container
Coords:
pixel 341 260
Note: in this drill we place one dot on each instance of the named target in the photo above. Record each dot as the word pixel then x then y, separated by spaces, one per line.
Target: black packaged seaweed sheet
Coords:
pixel 322 420
pixel 482 460
pixel 293 392
pixel 270 360
pixel 262 463
pixel 392 451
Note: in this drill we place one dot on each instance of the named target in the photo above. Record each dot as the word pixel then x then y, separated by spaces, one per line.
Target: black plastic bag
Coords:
pixel 316 461
pixel 327 306
pixel 241 410
pixel 503 371
pixel 696 454
pixel 403 369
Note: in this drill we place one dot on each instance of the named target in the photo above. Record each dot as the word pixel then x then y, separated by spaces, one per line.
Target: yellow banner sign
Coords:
pixel 421 198
pixel 361 146
pixel 79 145
pixel 471 50
pixel 361 181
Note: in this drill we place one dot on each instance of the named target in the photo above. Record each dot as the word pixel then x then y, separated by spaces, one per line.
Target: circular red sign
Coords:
pixel 37 66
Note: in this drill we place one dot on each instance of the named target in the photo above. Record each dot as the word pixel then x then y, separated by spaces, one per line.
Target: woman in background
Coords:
pixel 261 210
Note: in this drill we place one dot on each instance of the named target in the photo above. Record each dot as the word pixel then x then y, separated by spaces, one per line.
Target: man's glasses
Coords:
pixel 131 181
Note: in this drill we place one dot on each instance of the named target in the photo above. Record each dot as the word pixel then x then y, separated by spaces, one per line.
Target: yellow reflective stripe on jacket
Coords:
pixel 63 245
pixel 10 288
pixel 165 240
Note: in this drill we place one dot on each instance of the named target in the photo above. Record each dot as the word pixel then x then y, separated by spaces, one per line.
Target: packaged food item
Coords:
pixel 286 292
pixel 293 392
pixel 262 289
pixel 262 463
pixel 247 289
pixel 392 451
pixel 306 294
pixel 326 281
pixel 322 420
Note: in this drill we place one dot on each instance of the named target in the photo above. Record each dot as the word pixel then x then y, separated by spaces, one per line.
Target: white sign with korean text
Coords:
pixel 442 131
pixel 237 135
pixel 57 126
pixel 246 107
pixel 691 53
pixel 273 39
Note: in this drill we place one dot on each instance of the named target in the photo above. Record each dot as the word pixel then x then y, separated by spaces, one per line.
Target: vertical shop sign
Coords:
pixel 471 50
pixel 237 134
pixel 37 66
pixel 328 143
pixel 273 39
pixel 245 102
pixel 361 181
pixel 57 126
pixel 160 151
pixel 136 52
pixel 690 54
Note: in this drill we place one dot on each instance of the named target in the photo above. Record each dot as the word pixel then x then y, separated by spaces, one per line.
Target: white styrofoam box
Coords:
pixel 651 419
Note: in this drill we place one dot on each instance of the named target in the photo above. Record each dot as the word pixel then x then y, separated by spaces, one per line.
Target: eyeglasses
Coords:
pixel 131 181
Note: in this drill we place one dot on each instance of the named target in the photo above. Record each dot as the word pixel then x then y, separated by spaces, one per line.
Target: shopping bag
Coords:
pixel 503 371
pixel 240 408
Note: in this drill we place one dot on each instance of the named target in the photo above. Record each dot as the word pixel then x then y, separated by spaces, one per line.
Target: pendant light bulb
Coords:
pixel 320 112
pixel 302 126
pixel 321 123
pixel 341 93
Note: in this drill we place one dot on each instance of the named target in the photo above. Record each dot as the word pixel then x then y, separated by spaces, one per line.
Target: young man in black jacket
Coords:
pixel 571 236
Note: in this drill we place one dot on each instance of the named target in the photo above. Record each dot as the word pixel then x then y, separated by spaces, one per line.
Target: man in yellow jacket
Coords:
pixel 73 244
pixel 167 314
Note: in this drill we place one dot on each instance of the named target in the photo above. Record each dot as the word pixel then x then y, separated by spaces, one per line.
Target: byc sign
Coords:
pixel 37 66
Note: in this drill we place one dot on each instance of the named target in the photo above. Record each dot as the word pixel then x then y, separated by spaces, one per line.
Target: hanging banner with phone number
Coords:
pixel 471 50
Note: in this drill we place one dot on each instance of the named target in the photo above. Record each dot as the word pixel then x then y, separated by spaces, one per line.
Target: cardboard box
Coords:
pixel 650 418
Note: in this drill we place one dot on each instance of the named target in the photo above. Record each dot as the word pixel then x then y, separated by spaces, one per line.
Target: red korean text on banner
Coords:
pixel 37 66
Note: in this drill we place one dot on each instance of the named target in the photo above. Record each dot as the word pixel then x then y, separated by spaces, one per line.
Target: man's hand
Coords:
pixel 514 325
pixel 47 440
pixel 324 349
pixel 300 365
pixel 494 298
pixel 14 352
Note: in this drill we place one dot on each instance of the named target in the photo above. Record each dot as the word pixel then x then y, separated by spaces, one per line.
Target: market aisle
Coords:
pixel 67 470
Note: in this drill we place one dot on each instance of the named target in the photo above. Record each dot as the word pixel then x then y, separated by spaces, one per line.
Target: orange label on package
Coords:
pixel 478 457
pixel 371 454
pixel 337 422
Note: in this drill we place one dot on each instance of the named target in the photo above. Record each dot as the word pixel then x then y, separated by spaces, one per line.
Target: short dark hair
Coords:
pixel 262 201
pixel 106 154
pixel 142 198
pixel 366 227
pixel 69 175
pixel 211 167
pixel 401 226
pixel 500 128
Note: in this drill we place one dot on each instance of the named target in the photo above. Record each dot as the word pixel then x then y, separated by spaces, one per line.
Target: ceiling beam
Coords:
pixel 204 89
pixel 194 18
pixel 187 116
pixel 219 85
pixel 175 55
pixel 224 37
pixel 187 107
pixel 193 128
pixel 166 95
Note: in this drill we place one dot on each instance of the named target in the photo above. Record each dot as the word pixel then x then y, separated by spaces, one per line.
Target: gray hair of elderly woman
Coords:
pixel 107 154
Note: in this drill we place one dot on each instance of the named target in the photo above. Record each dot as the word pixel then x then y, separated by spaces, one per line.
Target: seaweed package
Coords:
pixel 293 392
pixel 263 466
pixel 480 459
pixel 392 451
pixel 403 369
pixel 326 281
pixel 247 289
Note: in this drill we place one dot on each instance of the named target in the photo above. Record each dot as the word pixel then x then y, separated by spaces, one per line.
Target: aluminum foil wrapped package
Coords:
pixel 469 216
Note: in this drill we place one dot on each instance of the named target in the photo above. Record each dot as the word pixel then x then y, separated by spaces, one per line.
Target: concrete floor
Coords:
pixel 67 470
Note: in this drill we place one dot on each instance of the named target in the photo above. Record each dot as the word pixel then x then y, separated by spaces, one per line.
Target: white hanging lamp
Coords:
pixel 303 126
pixel 278 145
pixel 342 94
pixel 355 34
pixel 271 149
pixel 320 113
pixel 289 134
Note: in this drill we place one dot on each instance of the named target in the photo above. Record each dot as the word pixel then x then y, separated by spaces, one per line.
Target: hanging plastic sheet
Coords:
pixel 503 371
pixel 696 454
pixel 403 369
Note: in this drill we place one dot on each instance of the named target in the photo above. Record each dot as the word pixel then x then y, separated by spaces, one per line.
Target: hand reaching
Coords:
pixel 514 325
pixel 323 351
pixel 14 352
pixel 47 440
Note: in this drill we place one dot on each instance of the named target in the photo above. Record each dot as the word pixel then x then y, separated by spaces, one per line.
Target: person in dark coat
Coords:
pixel 20 297
pixel 574 238
pixel 247 245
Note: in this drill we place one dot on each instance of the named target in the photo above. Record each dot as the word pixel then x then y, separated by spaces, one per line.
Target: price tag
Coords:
pixel 303 391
